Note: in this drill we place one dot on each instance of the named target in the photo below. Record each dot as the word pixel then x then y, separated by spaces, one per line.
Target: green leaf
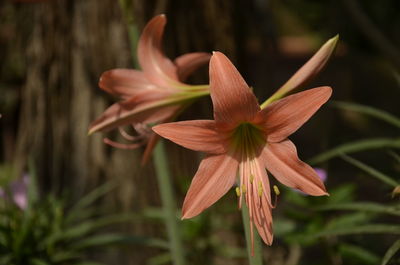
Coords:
pixel 36 261
pixel 391 252
pixel 89 199
pixel 374 112
pixel 164 258
pixel 346 220
pixel 343 193
pixel 395 156
pixel 362 206
pixel 88 263
pixel 65 256
pixel 371 171
pixel 283 226
pixel 154 213
pixel 297 198
pixel 360 229
pixel 113 239
pixel 81 215
pixel 6 258
pixel 356 146
pixel 87 227
pixel 358 253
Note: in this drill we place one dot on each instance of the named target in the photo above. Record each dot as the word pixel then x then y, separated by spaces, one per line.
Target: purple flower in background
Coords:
pixel 322 174
pixel 19 191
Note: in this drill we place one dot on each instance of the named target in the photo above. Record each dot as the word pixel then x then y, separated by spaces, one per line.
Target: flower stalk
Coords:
pixel 133 32
pixel 254 248
pixel 168 203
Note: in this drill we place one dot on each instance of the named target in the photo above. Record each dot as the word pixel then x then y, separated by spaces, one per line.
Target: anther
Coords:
pixel 251 178
pixel 276 190
pixel 237 191
pixel 243 188
pixel 260 189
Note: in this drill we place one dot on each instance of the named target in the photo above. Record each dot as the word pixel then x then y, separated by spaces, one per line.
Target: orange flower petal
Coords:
pixel 282 161
pixel 189 62
pixel 198 135
pixel 156 66
pixel 232 98
pixel 123 83
pixel 285 116
pixel 263 219
pixel 215 176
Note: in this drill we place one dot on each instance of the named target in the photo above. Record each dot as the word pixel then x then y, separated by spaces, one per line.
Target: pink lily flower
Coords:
pixel 242 141
pixel 154 95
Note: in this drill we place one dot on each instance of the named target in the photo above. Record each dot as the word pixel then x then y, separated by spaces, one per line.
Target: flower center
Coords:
pixel 248 139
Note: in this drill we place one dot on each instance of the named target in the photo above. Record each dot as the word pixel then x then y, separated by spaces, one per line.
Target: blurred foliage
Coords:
pixel 341 220
pixel 49 231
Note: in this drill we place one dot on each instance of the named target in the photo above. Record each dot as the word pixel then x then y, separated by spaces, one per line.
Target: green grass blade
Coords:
pixel 36 261
pixel 362 255
pixel 348 220
pixel 356 146
pixel 65 256
pixel 90 199
pixel 6 258
pixel 114 239
pixel 88 263
pixel 373 112
pixel 360 229
pixel 81 215
pixel 362 206
pixel 371 171
pixel 164 258
pixel 394 155
pixel 82 229
pixel 391 252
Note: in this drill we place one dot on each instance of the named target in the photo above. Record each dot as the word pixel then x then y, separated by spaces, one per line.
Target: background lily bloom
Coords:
pixel 155 94
pixel 244 140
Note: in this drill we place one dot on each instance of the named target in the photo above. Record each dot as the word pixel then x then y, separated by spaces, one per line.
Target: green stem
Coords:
pixel 271 99
pixel 169 204
pixel 255 255
pixel 133 32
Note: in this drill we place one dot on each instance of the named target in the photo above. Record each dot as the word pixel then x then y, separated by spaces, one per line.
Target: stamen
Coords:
pixel 127 136
pixel 122 146
pixel 141 128
pixel 143 134
pixel 251 178
pixel 244 189
pixel 277 192
pixel 260 189
pixel 237 191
